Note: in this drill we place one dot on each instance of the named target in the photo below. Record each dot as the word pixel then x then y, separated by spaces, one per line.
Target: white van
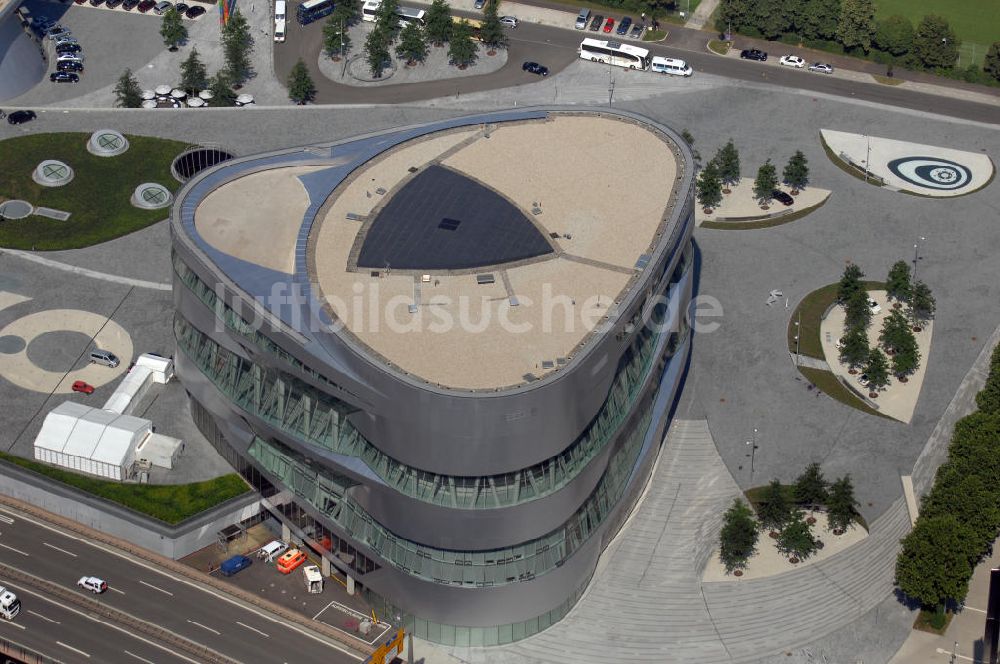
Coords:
pixel 670 66
pixel 270 551
pixel 582 18
pixel 279 10
pixel 279 31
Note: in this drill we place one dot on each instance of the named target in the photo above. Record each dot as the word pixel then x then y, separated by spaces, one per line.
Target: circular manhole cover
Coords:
pixel 15 209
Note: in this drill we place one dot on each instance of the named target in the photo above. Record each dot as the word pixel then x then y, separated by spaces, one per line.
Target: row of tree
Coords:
pixel 960 517
pixel 237 47
pixel 896 337
pixel 723 171
pixel 781 511
pixel 932 44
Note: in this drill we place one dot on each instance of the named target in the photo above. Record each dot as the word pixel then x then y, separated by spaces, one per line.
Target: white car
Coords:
pixel 792 61
pixel 874 306
pixel 863 380
pixel 821 67
pixel 93 584
pixel 509 21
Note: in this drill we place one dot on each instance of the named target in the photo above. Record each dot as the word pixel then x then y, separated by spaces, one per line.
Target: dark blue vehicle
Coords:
pixel 234 565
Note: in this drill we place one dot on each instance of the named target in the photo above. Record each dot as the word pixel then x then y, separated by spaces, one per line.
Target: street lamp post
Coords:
pixel 868 156
pixel 916 257
pixel 798 336
pixel 752 444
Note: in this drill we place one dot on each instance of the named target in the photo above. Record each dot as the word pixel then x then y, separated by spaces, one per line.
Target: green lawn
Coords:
pixel 976 22
pixel 98 198
pixel 171 503
pixel 812 308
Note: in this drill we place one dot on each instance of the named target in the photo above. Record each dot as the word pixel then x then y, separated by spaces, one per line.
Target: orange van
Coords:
pixel 290 560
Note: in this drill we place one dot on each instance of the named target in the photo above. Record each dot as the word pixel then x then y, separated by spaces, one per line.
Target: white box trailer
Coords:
pixel 313 578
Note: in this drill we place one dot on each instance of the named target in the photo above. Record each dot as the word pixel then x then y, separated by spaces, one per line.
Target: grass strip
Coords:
pixel 170 503
pixel 763 223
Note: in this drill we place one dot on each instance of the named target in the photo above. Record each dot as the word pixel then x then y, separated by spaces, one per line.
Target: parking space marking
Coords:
pixel 150 585
pixel 322 610
pixel 53 546
pixel 254 629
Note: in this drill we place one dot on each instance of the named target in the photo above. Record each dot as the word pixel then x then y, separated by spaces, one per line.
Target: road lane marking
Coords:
pixel 27 591
pixel 76 650
pixel 13 549
pixel 253 629
pixel 301 630
pixel 204 627
pixel 5 518
pixel 141 659
pixel 115 590
pixel 150 585
pixel 14 624
pixel 53 546
pixel 43 617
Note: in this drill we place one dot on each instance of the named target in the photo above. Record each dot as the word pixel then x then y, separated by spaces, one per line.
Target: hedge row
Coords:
pixel 960 517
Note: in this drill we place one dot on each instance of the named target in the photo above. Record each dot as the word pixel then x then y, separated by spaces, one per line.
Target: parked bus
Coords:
pixel 313 10
pixel 614 53
pixel 406 14
pixel 477 26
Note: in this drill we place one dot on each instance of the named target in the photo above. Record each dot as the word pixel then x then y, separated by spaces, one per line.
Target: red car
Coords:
pixel 609 25
pixel 81 386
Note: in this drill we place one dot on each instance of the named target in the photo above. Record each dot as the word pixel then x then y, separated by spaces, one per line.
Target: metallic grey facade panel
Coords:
pixel 445 432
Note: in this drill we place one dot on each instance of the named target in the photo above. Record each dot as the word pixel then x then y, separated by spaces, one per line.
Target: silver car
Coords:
pixel 821 67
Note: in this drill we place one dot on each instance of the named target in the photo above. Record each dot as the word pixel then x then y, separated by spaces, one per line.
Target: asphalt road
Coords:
pixel 198 614
pixel 557 48
pixel 71 636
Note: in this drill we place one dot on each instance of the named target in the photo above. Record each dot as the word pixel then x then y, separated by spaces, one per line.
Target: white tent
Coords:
pixel 148 369
pixel 91 440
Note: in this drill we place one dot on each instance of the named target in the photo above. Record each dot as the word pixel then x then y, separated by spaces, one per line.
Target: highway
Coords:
pixel 557 48
pixel 71 636
pixel 198 614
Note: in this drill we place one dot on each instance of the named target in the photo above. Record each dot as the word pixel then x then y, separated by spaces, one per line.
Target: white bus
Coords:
pixel 670 66
pixel 614 53
pixel 406 14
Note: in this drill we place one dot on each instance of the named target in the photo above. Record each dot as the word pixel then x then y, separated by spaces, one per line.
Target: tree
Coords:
pixel 796 173
pixel 811 487
pixel 412 46
pixel 840 505
pixel 818 19
pixel 727 159
pixel 770 18
pixel 935 562
pixel 462 50
pixel 857 311
pixel 709 187
pixel 857 24
pixel 301 88
pixel 127 91
pixel 735 13
pixel 237 44
pixel 854 347
pixel 336 41
pixel 377 50
pixel 895 331
pixel 898 282
pixel 991 65
pixel 850 281
pixel 193 74
pixel 796 538
pixel 222 90
pixel 877 370
pixel 988 399
pixel 387 18
pixel 172 30
pixel 922 303
pixel 894 35
pixel 689 139
pixel 491 32
pixel 906 360
pixel 738 538
pixel 438 22
pixel 774 510
pixel 763 186
pixel 934 43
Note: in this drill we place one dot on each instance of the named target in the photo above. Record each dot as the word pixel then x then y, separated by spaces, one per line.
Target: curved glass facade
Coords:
pixel 316 418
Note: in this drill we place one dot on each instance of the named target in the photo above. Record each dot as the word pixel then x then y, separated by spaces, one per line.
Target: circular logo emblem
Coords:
pixel 931 172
